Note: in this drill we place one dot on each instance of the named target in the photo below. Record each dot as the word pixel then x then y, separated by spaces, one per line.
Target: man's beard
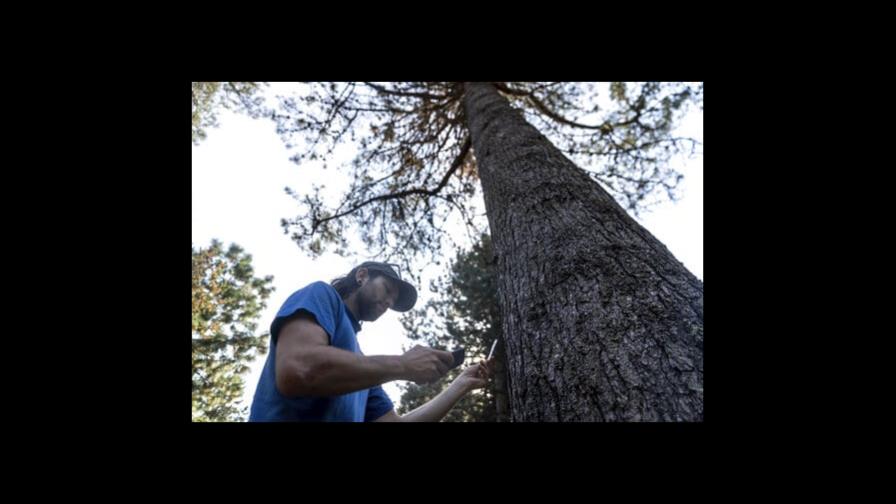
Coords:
pixel 369 311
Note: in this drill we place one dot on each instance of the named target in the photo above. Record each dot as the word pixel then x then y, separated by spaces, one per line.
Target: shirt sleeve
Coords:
pixel 378 404
pixel 319 300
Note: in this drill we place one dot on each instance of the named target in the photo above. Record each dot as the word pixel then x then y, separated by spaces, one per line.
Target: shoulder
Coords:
pixel 322 289
pixel 322 295
pixel 316 297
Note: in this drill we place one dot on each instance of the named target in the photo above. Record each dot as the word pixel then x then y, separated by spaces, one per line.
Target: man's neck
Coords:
pixel 352 304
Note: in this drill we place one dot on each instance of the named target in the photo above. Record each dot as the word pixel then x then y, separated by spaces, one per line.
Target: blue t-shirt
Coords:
pixel 323 302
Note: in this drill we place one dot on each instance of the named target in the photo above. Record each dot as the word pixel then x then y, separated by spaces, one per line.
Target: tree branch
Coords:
pixel 458 161
pixel 557 117
pixel 384 90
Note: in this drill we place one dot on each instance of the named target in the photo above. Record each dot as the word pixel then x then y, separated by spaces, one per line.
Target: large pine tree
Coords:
pixel 600 321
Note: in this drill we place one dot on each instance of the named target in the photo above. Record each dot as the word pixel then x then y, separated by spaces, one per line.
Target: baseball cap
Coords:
pixel 407 294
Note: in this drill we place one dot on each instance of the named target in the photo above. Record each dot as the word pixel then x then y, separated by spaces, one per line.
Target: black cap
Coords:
pixel 407 294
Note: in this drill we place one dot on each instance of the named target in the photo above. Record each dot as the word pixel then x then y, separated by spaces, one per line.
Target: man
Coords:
pixel 315 370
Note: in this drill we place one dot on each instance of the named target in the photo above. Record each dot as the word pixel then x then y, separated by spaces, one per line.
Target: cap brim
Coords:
pixel 407 297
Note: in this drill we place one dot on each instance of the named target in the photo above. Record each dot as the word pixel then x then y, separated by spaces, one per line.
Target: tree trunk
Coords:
pixel 600 321
pixel 502 406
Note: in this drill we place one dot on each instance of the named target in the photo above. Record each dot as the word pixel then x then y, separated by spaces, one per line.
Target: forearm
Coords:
pixel 439 406
pixel 333 371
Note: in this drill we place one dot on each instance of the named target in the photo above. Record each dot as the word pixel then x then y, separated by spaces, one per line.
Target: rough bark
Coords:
pixel 600 321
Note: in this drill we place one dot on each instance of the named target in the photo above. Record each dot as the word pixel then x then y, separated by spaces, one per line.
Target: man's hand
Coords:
pixel 476 376
pixel 425 365
pixel 435 409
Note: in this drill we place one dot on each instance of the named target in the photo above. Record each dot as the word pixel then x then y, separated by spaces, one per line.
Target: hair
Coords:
pixel 347 284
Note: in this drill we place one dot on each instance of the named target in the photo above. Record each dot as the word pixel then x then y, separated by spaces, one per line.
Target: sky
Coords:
pixel 238 177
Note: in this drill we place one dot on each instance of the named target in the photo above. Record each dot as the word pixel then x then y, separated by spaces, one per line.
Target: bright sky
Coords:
pixel 238 175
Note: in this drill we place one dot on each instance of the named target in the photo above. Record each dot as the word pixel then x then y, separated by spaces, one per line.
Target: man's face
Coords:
pixel 376 296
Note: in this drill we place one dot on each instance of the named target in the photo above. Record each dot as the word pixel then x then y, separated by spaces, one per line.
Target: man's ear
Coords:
pixel 361 275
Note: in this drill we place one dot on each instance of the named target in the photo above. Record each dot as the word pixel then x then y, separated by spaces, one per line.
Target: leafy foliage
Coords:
pixel 209 97
pixel 226 302
pixel 414 168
